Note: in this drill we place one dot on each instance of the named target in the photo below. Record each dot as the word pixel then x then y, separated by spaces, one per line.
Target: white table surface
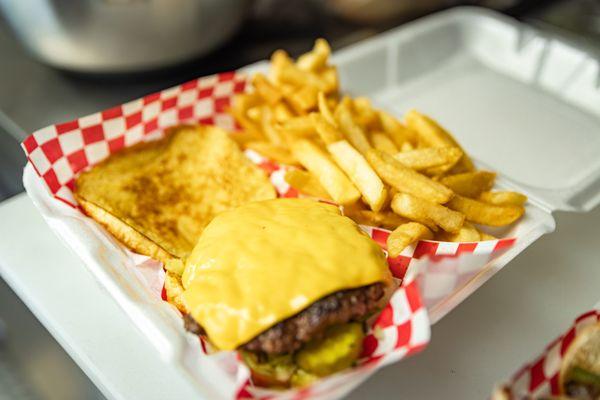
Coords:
pixel 506 322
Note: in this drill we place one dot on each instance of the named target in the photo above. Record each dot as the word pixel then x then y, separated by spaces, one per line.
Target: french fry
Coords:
pixel 406 234
pixel 241 104
pixel 424 211
pixel 330 80
pixel 299 126
pixel 503 198
pixel 399 133
pixel 404 179
pixel 299 78
pixel 486 236
pixel 360 173
pixel 315 59
pixel 382 141
pixel 423 159
pixel 326 131
pixel 275 152
pixel 243 137
pixel 324 109
pixel 268 127
pixel 407 146
pixel 484 213
pixel 304 99
pixel 435 136
pixel 333 180
pixel 470 184
pixel 255 113
pixel 351 130
pixel 282 113
pixel 265 89
pixel 279 60
pixel 365 116
pixel 468 233
pixel 385 219
pixel 305 183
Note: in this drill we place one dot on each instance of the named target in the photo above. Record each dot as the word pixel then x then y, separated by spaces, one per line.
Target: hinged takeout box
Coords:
pixel 525 105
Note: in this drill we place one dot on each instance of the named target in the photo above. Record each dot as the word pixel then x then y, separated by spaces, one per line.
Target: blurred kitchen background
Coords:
pixel 61 59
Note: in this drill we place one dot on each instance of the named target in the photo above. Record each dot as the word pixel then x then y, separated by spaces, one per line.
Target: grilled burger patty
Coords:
pixel 289 335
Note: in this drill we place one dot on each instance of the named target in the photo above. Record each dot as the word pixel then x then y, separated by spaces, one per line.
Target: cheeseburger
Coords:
pixel 288 283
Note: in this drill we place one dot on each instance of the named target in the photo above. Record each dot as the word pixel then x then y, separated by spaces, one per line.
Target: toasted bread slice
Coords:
pixel 157 197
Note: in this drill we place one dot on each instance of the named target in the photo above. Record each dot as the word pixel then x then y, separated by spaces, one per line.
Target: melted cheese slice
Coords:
pixel 263 262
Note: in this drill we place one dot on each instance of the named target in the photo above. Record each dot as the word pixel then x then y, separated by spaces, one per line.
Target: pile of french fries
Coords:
pixel 411 176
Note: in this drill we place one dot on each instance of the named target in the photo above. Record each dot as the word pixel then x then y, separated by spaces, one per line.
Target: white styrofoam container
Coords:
pixel 527 104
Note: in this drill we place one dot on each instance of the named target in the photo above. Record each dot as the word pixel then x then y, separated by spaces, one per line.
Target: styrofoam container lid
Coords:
pixel 527 104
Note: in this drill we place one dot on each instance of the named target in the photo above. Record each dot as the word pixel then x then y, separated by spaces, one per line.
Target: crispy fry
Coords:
pixel 484 213
pixel 360 173
pixel 468 233
pixel 326 131
pixel 486 236
pixel 282 113
pixel 299 78
pixel 423 159
pixel 247 124
pixel 243 137
pixel 425 211
pixel 385 219
pixel 434 135
pixel 306 183
pixel 365 115
pixel 351 130
pixel 470 184
pixel 325 110
pixel 399 133
pixel 241 104
pixel 254 113
pixel 330 80
pixel 382 142
pixel 407 146
pixel 406 234
pixel 316 58
pixel 268 126
pixel 503 198
pixel 299 126
pixel 265 89
pixel 275 152
pixel 339 187
pixel 405 179
pixel 279 60
pixel 304 99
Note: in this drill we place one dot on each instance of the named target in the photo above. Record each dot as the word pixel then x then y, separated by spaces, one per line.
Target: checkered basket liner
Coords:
pixel 59 152
pixel 539 377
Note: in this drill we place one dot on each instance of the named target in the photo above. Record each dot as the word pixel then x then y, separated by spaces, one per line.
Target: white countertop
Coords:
pixel 489 336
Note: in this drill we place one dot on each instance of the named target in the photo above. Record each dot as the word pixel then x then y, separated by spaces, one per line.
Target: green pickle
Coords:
pixel 337 350
pixel 272 371
pixel 302 378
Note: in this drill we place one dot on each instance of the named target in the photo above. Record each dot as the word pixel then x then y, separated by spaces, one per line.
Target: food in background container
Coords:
pixel 569 368
pixel 580 371
pixel 412 176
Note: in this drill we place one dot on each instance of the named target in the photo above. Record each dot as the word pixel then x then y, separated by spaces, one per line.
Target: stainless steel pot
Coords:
pixel 121 35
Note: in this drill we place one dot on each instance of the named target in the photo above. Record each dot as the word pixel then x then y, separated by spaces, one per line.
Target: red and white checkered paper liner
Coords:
pixel 59 152
pixel 539 377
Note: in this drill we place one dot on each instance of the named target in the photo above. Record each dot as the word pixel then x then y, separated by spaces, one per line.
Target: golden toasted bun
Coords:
pixel 584 352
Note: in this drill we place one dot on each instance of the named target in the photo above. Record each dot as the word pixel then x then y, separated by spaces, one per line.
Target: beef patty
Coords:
pixel 290 334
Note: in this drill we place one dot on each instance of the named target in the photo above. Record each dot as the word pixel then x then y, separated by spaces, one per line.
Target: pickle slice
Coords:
pixel 337 350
